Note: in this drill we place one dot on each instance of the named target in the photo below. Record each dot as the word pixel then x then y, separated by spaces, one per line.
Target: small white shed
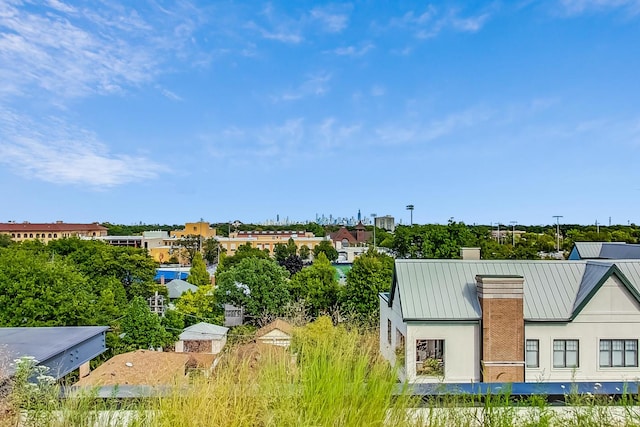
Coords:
pixel 202 338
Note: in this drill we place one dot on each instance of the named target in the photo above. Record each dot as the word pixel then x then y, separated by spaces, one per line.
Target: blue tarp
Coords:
pixel 170 275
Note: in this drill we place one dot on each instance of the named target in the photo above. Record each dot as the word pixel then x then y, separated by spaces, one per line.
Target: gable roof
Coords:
pixel 276 324
pixel 177 287
pixel 605 250
pixel 553 290
pixel 203 331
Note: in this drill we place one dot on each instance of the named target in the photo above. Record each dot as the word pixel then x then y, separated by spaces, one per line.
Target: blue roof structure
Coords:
pixel 62 349
pixel 170 275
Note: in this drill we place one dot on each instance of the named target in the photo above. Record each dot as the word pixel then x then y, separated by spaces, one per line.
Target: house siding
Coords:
pixel 612 313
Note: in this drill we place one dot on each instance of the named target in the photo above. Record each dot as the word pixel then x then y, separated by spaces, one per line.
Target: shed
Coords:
pixel 277 332
pixel 202 338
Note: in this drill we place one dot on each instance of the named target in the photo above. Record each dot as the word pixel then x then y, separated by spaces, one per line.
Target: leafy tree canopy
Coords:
pixel 316 285
pixel 327 248
pixel 142 328
pixel 257 284
pixel 198 274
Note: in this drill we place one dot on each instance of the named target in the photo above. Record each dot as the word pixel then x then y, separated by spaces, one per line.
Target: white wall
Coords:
pixel 611 314
pixel 276 337
pixel 461 346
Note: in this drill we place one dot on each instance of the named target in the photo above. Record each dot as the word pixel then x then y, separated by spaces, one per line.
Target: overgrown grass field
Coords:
pixel 330 377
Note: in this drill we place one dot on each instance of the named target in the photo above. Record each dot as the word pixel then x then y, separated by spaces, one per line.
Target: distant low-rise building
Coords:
pixel 268 240
pixel 386 222
pixel 50 231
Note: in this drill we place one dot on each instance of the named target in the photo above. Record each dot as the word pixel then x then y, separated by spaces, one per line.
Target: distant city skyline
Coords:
pixel 134 112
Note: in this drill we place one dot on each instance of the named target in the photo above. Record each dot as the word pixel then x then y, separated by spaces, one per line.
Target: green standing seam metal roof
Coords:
pixel 607 250
pixel 441 290
pixel 177 287
pixel 203 331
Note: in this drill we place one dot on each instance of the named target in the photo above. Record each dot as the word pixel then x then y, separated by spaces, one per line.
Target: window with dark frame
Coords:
pixel 533 353
pixel 389 331
pixel 618 353
pixel 566 354
pixel 429 357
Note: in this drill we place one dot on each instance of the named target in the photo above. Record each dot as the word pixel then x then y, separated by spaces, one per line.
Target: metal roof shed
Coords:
pixel 61 349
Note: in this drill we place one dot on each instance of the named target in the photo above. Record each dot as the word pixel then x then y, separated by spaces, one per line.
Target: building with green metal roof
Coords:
pixel 514 321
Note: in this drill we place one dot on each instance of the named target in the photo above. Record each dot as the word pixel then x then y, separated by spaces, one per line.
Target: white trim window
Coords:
pixel 618 353
pixel 566 353
pixel 533 353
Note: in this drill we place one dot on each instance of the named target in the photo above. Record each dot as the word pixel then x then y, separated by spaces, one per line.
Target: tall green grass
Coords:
pixel 330 377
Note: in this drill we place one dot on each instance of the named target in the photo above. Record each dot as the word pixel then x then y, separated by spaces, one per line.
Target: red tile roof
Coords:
pixel 54 226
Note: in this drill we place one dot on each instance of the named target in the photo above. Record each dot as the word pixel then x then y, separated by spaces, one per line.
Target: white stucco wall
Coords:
pixel 611 314
pixel 461 347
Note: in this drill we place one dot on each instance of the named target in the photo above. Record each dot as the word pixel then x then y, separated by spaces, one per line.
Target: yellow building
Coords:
pixel 46 232
pixel 199 229
pixel 268 240
pixel 169 247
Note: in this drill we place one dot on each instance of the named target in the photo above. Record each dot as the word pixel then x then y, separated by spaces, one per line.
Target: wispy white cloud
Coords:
pixel 416 132
pixel 54 151
pixel 272 24
pixel 575 7
pixel 314 85
pixel 432 21
pixel 354 50
pixel 75 51
pixel 334 18
pixel 169 94
pixel 378 90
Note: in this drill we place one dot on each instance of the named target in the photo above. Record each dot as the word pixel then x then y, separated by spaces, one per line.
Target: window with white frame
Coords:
pixel 533 353
pixel 565 353
pixel 618 353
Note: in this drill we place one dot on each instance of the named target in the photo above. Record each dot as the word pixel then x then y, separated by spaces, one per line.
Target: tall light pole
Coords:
pixel 374 230
pixel 557 217
pixel 410 209
pixel 513 233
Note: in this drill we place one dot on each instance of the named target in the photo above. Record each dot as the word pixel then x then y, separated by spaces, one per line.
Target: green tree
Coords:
pixel 211 249
pixel 371 274
pixel 142 328
pixel 5 240
pixel 173 323
pixel 304 252
pixel 244 251
pixel 292 249
pixel 198 274
pixel 36 290
pixel 200 306
pixel 327 248
pixel 258 285
pixel 316 285
pixel 280 252
pixel 189 246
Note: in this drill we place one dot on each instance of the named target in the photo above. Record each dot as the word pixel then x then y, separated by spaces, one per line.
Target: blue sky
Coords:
pixel 166 112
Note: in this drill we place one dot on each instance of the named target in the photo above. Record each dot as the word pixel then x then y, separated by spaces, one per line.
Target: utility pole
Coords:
pixel 410 209
pixel 597 227
pixel 374 230
pixel 513 233
pixel 557 217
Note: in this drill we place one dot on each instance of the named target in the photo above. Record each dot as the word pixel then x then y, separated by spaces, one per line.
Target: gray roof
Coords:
pixel 203 331
pixel 607 250
pixel 177 287
pixel 62 349
pixel 553 290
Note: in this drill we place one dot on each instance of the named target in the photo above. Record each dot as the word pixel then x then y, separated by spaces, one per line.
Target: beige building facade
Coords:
pixel 46 232
pixel 268 240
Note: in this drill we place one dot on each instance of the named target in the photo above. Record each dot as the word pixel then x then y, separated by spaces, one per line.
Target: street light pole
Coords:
pixel 557 217
pixel 513 233
pixel 410 209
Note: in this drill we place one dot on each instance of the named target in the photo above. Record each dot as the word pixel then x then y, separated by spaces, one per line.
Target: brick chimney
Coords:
pixel 501 302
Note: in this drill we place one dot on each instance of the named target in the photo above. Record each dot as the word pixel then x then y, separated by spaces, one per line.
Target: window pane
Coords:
pixel 558 359
pixel 605 345
pixel 532 345
pixel 572 345
pixel 605 359
pixel 532 359
pixel 631 345
pixel 617 345
pixel 558 345
pixel 572 358
pixel 630 358
pixel 616 357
